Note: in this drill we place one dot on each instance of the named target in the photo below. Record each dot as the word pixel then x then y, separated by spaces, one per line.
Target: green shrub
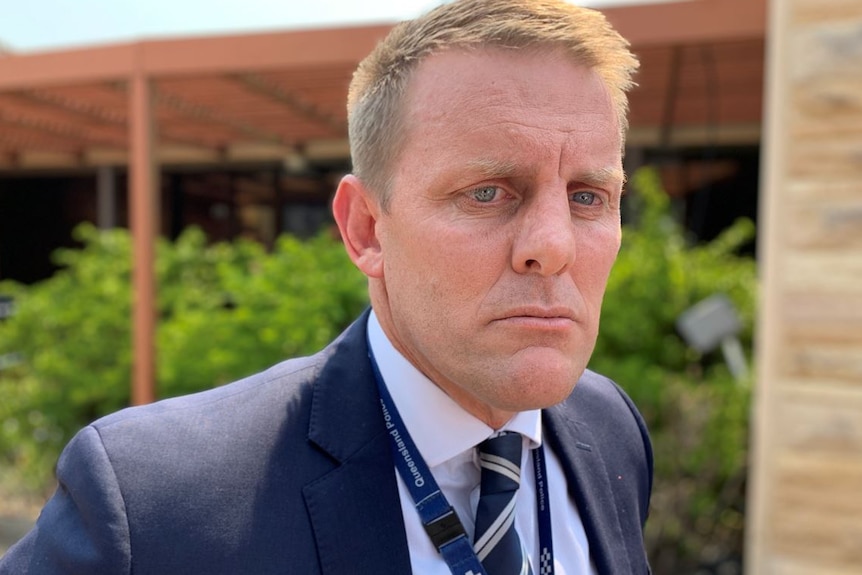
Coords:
pixel 697 413
pixel 225 311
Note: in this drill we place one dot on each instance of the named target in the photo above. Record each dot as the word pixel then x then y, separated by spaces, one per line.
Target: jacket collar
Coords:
pixel 354 509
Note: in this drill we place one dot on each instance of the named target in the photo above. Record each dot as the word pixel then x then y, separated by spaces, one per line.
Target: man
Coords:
pixel 484 209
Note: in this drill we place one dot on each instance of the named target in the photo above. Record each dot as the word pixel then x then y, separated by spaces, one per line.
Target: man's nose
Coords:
pixel 545 239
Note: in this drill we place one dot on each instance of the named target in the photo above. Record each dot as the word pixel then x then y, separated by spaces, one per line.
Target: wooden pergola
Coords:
pixel 225 99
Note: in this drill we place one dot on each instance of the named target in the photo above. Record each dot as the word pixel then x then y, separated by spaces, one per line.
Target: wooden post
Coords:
pixel 805 499
pixel 144 206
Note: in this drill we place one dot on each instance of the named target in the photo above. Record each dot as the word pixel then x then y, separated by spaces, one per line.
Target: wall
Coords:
pixel 805 499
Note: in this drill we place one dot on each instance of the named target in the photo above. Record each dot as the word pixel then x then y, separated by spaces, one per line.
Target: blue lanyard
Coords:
pixel 439 518
pixel 546 542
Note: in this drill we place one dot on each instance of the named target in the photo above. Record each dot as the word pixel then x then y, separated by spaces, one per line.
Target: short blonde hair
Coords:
pixel 377 91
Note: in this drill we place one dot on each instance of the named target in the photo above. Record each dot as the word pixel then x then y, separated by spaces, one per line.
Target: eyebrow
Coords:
pixel 489 167
pixel 603 177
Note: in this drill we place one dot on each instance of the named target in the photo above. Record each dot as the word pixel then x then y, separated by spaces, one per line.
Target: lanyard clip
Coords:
pixel 445 528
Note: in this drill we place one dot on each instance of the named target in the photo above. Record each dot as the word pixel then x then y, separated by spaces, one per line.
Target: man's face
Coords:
pixel 502 227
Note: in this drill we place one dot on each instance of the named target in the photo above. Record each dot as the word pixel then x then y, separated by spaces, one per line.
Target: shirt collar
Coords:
pixel 439 426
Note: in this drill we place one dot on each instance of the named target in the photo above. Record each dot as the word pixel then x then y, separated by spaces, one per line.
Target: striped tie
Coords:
pixel 496 542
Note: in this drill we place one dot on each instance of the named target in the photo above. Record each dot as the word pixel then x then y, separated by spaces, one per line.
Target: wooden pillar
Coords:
pixel 144 213
pixel 805 500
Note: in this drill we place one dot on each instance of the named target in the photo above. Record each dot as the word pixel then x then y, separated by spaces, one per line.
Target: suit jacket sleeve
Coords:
pixel 83 528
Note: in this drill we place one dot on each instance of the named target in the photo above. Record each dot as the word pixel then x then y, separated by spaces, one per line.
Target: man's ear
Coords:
pixel 356 212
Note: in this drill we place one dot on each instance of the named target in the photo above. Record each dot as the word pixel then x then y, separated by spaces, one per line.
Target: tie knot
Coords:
pixel 500 459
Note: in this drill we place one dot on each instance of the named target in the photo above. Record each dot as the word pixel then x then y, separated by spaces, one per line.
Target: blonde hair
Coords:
pixel 377 91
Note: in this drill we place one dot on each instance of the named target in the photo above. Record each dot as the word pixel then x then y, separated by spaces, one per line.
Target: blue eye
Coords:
pixel 584 198
pixel 484 194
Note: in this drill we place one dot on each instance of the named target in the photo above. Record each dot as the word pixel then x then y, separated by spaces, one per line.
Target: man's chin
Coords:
pixel 549 362
pixel 540 387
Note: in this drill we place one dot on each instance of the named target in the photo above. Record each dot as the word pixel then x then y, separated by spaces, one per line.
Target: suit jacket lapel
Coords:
pixel 590 488
pixel 355 510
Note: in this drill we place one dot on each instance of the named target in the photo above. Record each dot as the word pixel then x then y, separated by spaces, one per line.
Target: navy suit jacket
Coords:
pixel 290 471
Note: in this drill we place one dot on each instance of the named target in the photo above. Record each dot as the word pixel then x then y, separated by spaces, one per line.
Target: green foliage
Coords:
pixel 248 309
pixel 697 413
pixel 225 311
pixel 73 334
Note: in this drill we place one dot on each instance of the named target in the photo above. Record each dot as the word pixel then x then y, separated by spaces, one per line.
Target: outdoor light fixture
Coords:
pixel 711 323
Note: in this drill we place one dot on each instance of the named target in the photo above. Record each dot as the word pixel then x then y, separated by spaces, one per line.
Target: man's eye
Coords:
pixel 485 193
pixel 584 198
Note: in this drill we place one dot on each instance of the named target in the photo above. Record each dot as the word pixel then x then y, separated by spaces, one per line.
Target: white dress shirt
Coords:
pixel 446 436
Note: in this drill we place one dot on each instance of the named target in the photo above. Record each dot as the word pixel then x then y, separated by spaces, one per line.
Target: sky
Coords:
pixel 38 25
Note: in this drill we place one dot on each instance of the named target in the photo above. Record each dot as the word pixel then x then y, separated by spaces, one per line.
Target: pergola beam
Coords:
pixel 306 49
pixel 267 88
pixel 53 129
pixel 689 21
pixel 80 66
pixel 71 107
pixel 212 55
pixel 201 112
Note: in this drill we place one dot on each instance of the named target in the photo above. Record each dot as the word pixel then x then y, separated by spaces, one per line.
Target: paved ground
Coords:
pixel 17 515
pixel 12 529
